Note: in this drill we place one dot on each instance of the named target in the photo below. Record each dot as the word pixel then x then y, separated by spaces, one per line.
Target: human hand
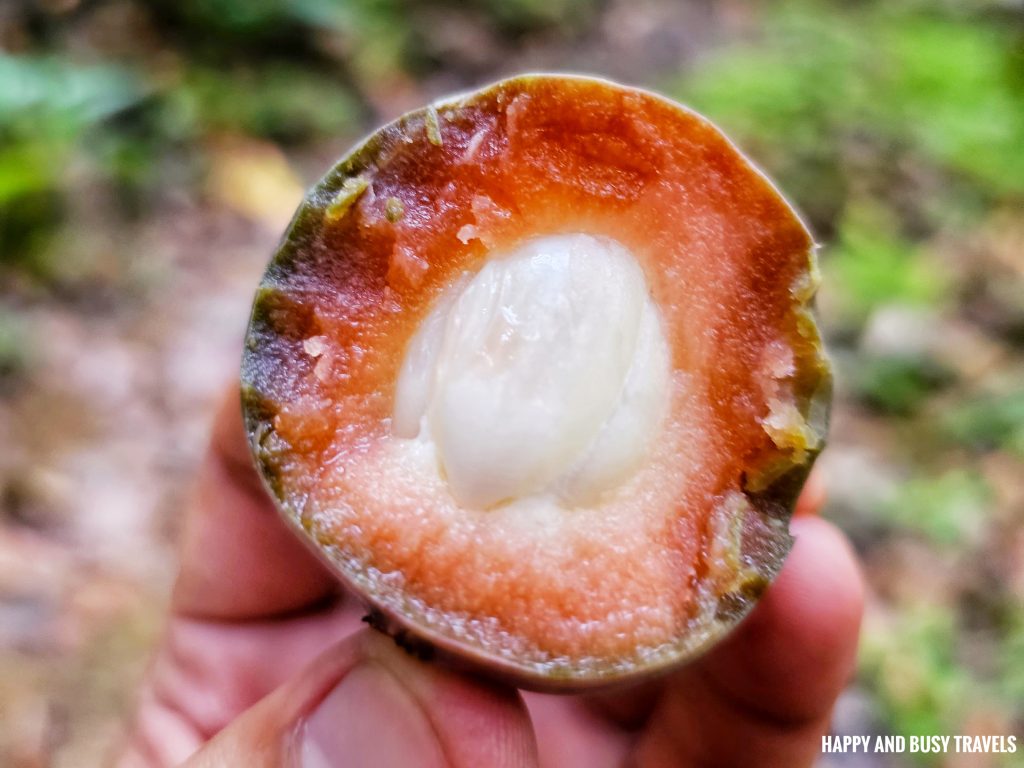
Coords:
pixel 265 663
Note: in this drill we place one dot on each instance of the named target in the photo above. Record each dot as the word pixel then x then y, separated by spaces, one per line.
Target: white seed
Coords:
pixel 546 373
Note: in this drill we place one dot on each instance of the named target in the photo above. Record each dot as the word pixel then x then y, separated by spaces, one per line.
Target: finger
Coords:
pixel 239 560
pixel 629 708
pixel 570 734
pixel 206 673
pixel 812 497
pixel 766 694
pixel 366 703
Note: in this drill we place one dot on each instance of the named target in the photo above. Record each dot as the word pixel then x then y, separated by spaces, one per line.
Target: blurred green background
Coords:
pixel 152 152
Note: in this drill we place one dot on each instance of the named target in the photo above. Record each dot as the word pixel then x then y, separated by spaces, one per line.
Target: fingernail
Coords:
pixel 369 719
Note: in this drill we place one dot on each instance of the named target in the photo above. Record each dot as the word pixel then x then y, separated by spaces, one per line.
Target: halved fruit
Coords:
pixel 535 371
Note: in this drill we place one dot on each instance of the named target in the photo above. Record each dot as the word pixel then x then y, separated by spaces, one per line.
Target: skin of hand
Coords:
pixel 265 663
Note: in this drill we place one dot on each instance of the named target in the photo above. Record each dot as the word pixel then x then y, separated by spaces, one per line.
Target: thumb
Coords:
pixel 364 702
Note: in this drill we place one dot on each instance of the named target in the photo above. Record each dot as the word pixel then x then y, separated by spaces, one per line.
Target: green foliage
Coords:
pixel 996 421
pixel 531 14
pixel 246 19
pixel 48 107
pixel 871 265
pixel 379 36
pixel 826 78
pixel 910 660
pixel 52 95
pixel 956 92
pixel 898 385
pixel 950 509
pixel 64 125
pixel 912 665
pixel 14 355
pixel 768 94
pixel 276 101
pixel 1011 667
pixel 376 38
pixel 875 107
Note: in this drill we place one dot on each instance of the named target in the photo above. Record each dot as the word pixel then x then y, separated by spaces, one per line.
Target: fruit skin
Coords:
pixel 756 542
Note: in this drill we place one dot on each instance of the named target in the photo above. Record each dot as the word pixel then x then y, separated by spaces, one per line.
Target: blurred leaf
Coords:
pixel 871 265
pixel 950 509
pixel 518 15
pixel 243 22
pixel 27 167
pixel 377 35
pixel 828 85
pixel 14 346
pixel 996 421
pixel 46 105
pixel 1012 659
pixel 912 665
pixel 898 385
pixel 38 92
pixel 27 223
pixel 276 101
pixel 374 37
pixel 949 86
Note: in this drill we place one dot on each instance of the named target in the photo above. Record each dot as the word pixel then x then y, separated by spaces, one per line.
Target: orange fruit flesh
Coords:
pixel 641 573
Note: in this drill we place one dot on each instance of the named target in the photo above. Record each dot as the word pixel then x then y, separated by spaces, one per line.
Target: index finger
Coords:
pixel 239 560
pixel 765 694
